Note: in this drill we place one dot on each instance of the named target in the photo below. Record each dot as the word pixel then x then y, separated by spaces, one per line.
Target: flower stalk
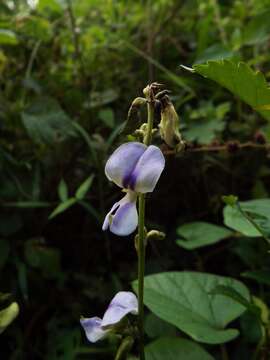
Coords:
pixel 141 226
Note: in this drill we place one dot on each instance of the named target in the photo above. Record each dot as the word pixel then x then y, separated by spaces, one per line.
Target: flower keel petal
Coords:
pixel 122 219
pixel 93 329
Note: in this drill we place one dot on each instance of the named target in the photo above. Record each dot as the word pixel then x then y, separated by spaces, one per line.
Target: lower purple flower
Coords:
pixel 124 302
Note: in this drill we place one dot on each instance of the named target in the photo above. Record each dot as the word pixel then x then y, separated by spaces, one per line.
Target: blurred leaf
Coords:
pixel 36 27
pixel 45 258
pixel 204 133
pixel 22 278
pixel 198 234
pixel 107 117
pixel 4 252
pixel 230 199
pixel 49 5
pixel 62 207
pixel 251 328
pixel 10 223
pixel 155 327
pixel 257 30
pixel 101 98
pixel 175 349
pixel 8 37
pixel 8 315
pixel 250 86
pixel 46 122
pixel 84 187
pixel 63 190
pixel 28 204
pixel 214 52
pixel 184 299
pixel 262 276
pixel 258 211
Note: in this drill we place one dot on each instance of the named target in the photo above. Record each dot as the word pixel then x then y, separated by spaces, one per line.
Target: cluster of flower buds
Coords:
pixel 168 127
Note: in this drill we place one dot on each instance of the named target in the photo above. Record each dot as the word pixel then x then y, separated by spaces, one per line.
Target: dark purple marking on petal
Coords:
pixel 129 181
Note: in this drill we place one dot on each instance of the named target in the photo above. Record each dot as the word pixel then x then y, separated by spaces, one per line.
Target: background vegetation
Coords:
pixel 68 73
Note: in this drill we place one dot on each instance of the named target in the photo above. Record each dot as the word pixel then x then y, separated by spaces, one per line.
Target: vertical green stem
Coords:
pixel 141 266
pixel 141 234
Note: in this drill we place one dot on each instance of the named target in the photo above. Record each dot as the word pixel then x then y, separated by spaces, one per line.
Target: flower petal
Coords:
pixel 122 162
pixel 148 170
pixel 93 329
pixel 122 219
pixel 124 302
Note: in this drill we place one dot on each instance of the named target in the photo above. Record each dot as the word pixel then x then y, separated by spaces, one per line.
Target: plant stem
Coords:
pixel 141 233
pixel 141 267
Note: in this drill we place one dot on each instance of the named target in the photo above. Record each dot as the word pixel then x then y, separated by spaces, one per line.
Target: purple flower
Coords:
pixel 124 302
pixel 136 168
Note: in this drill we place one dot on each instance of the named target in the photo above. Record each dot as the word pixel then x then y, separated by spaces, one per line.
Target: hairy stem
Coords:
pixel 141 233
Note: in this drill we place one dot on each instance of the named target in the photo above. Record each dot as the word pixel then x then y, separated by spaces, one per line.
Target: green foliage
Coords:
pixel 251 219
pixel 184 299
pixel 198 234
pixel 46 122
pixel 69 71
pixel 242 81
pixel 174 349
pixel 8 315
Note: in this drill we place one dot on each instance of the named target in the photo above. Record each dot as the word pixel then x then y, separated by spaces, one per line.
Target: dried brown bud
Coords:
pixel 232 146
pixel 259 138
pixel 169 124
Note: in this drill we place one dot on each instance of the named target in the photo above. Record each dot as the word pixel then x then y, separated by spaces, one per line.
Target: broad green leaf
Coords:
pixel 155 327
pixel 170 348
pixel 184 299
pixel 63 190
pixel 62 207
pixel 249 85
pixel 8 37
pixel 198 234
pixel 258 210
pixel 46 122
pixel 84 187
pixel 262 276
pixel 8 315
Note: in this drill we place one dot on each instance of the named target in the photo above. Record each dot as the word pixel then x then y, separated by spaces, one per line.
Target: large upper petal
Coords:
pixel 124 302
pixel 93 329
pixel 148 170
pixel 122 162
pixel 122 219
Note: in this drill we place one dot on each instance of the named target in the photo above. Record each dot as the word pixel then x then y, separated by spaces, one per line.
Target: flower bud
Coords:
pixel 169 124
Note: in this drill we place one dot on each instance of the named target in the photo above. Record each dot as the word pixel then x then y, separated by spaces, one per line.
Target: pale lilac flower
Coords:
pixel 136 168
pixel 124 302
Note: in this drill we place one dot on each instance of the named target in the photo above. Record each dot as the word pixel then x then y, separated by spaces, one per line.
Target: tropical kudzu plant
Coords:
pixel 135 167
